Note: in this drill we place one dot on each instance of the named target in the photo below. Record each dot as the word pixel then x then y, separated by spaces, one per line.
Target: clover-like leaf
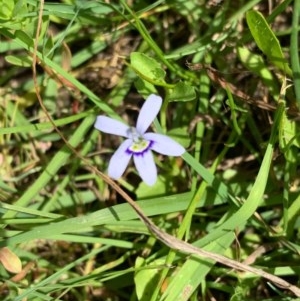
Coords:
pixel 147 68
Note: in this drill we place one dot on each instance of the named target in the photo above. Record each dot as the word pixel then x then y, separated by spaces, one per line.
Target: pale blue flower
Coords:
pixel 138 143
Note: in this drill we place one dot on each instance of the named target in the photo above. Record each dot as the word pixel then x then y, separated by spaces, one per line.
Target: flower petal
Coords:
pixel 146 167
pixel 164 144
pixel 119 160
pixel 111 126
pixel 148 112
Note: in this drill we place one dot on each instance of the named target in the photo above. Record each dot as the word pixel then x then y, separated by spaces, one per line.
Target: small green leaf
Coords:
pixel 147 68
pixel 182 92
pixel 7 7
pixel 19 60
pixel 24 37
pixel 266 40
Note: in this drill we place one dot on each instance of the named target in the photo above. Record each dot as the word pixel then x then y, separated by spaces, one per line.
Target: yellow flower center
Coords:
pixel 139 144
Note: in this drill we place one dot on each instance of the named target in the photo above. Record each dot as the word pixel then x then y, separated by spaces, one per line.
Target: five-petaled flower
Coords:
pixel 139 143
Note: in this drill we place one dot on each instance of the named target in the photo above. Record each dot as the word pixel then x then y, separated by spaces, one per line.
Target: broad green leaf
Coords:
pixel 266 40
pixel 182 92
pixel 147 68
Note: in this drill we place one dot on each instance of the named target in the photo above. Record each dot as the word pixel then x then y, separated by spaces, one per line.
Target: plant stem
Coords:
pixel 294 51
